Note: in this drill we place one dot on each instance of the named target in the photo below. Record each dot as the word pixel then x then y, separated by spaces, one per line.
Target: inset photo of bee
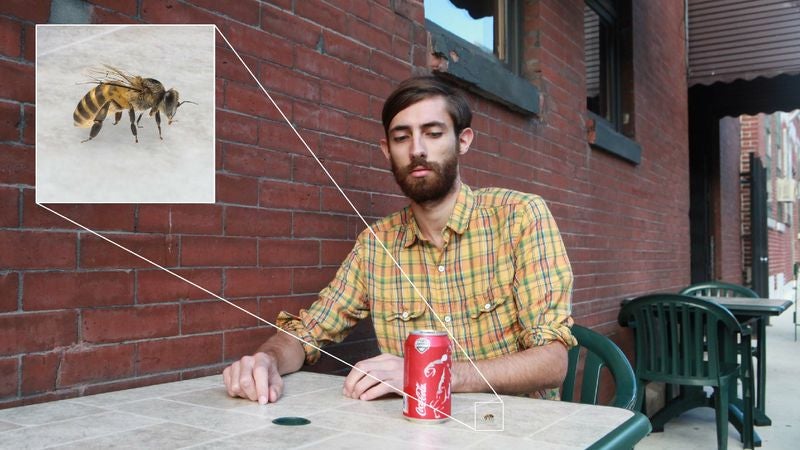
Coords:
pixel 125 114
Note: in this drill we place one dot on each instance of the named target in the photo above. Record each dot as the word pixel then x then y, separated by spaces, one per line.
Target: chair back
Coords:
pixel 682 339
pixel 599 352
pixel 719 289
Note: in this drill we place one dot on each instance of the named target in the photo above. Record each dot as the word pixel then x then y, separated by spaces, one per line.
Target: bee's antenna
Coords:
pixel 186 101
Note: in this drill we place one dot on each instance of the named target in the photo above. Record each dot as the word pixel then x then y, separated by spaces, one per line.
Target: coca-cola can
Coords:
pixel 428 360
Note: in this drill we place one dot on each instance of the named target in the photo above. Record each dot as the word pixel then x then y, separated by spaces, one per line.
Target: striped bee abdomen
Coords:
pixel 90 104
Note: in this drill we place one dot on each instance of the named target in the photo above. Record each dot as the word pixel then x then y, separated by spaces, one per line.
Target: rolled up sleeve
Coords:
pixel 333 315
pixel 543 279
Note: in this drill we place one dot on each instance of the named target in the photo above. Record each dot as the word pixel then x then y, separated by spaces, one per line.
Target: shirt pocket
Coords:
pixel 496 298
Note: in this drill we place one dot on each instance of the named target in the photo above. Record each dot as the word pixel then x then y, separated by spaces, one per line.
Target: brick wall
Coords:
pixel 78 316
pixel 728 254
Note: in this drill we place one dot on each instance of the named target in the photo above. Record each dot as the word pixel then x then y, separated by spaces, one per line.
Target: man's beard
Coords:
pixel 432 187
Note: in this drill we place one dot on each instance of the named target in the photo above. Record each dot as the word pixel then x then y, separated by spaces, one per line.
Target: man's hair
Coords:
pixel 416 89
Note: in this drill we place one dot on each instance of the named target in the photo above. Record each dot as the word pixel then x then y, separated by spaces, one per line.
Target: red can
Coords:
pixel 426 381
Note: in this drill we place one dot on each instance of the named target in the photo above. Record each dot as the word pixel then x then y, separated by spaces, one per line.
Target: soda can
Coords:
pixel 426 381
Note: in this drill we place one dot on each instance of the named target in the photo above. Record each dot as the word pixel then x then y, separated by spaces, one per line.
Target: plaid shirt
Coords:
pixel 500 284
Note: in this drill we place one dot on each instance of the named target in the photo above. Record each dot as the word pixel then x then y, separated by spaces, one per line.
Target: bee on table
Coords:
pixel 117 91
pixel 488 417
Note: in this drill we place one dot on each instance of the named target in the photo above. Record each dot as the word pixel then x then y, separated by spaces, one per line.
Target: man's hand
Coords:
pixel 385 367
pixel 254 377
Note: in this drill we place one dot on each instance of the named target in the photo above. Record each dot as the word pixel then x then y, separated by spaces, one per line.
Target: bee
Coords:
pixel 489 417
pixel 117 91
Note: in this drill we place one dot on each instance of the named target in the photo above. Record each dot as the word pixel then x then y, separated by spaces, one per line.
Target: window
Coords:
pixel 601 54
pixel 478 44
pixel 608 61
pixel 490 25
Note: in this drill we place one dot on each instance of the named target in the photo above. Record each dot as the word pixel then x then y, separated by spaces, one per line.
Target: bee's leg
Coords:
pixel 117 117
pixel 132 116
pixel 98 122
pixel 158 124
pixel 140 118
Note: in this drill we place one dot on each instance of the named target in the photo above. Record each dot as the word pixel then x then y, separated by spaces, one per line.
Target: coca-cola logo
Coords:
pixel 422 345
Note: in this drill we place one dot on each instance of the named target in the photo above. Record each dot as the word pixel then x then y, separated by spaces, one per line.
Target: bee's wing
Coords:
pixel 111 75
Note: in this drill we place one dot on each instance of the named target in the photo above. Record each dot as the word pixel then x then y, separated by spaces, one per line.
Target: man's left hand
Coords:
pixel 385 367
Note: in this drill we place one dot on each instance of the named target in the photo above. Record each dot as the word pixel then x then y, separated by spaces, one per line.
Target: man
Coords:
pixel 490 263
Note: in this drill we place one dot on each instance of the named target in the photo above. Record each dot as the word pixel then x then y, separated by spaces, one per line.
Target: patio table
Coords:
pixel 198 413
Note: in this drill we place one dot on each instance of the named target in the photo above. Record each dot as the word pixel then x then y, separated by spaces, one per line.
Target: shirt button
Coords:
pixel 487 306
pixel 447 319
pixel 405 314
pixel 441 268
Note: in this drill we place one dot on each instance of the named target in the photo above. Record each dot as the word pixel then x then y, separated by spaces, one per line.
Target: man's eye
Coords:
pixel 435 134
pixel 400 138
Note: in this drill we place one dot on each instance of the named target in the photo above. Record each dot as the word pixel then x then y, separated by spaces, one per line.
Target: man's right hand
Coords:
pixel 254 377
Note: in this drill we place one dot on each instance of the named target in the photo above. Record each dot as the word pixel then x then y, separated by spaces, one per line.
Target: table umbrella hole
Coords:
pixel 291 421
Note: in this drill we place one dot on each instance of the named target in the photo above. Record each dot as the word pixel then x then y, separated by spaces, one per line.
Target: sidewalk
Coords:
pixel 697 429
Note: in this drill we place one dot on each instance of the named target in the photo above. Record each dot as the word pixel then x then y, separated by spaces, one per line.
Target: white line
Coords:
pixel 388 253
pixel 242 309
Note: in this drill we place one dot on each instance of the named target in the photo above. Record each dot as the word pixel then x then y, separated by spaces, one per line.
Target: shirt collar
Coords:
pixel 458 221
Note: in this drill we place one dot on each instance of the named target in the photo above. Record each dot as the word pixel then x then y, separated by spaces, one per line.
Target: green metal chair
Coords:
pixel 600 352
pixel 719 289
pixel 693 342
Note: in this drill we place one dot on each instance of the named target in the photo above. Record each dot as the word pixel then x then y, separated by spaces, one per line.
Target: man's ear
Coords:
pixel 465 140
pixel 385 149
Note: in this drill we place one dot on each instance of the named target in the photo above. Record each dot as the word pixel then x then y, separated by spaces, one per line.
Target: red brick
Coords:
pixel 276 194
pixel 96 364
pixel 390 66
pixel 237 190
pixel 324 66
pixel 325 15
pixel 345 48
pixel 9 289
pixel 29 42
pixel 102 15
pixel 17 81
pixel 311 279
pixel 279 136
pixel 159 11
pixel 288 252
pixel 253 102
pixel 383 205
pixel 127 7
pixel 288 26
pixel 245 342
pixel 290 82
pixel 9 207
pixel 257 162
pixel 365 81
pixel 29 120
pixel 35 332
pixel 131 383
pixel 160 286
pixel 333 201
pixel 97 253
pixel 179 353
pixel 10 119
pixel 10 38
pixel 254 42
pixel 334 252
pixel 257 222
pixel 66 290
pixel 316 225
pixel 371 35
pixel 39 372
pixel 364 178
pixel 345 98
pixel 270 307
pixel 307 170
pixel 246 11
pixel 38 11
pixel 37 250
pixel 216 315
pixel 218 251
pixel 236 127
pixel 8 376
pixel 229 67
pixel 180 219
pixel 97 217
pixel 17 164
pixel 257 282
pixel 128 323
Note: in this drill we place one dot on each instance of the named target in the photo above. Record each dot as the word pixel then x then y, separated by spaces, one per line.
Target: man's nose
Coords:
pixel 418 148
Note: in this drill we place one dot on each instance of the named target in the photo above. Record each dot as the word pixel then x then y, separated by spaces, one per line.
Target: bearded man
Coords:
pixel 488 265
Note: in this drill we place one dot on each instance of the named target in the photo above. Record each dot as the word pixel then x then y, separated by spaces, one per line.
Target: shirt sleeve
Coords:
pixel 333 315
pixel 543 279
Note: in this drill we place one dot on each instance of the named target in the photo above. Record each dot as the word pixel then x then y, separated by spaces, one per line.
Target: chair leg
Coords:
pixel 721 406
